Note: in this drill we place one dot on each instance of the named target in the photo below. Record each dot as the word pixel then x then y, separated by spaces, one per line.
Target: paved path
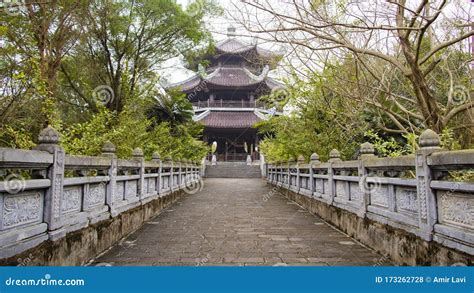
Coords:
pixel 237 222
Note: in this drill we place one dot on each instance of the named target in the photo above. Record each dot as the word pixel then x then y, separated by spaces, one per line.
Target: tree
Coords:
pixel 126 43
pixel 42 33
pixel 89 68
pixel 392 45
pixel 174 108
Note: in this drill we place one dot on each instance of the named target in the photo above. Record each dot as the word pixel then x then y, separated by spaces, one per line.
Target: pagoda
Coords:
pixel 225 96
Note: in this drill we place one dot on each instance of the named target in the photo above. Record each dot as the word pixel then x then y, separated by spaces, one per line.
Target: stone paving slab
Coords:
pixel 238 222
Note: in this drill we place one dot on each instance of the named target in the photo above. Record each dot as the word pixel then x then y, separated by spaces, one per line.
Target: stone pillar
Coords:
pixel 367 152
pixel 249 160
pixel 214 160
pixel 202 170
pixel 263 166
pixel 427 211
pixel 155 158
pixel 169 161
pixel 301 161
pixel 49 140
pixel 314 160
pixel 179 164
pixel 108 150
pixel 138 156
pixel 334 156
pixel 291 162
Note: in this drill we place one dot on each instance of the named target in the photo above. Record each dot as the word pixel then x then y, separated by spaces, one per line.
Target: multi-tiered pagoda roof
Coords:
pixel 226 72
pixel 225 95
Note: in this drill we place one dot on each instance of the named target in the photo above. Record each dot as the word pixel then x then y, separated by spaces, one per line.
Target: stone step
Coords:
pixel 233 171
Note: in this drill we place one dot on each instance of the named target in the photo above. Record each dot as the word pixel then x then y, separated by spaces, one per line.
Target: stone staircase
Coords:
pixel 233 170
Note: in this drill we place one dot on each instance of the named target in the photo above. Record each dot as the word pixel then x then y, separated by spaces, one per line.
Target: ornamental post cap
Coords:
pixel 49 135
pixel 367 149
pixel 314 157
pixel 155 156
pixel 301 159
pixel 137 153
pixel 429 139
pixel 108 148
pixel 335 154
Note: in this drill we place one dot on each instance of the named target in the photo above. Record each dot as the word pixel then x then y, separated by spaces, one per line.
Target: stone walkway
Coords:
pixel 237 222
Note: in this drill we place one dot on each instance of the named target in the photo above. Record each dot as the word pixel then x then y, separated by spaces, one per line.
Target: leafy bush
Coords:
pixel 129 130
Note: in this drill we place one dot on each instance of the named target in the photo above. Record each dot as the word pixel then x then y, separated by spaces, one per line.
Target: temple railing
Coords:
pixel 219 103
pixel 415 193
pixel 46 193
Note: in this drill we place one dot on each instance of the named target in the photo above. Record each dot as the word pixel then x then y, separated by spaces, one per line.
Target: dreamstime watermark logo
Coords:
pixel 369 184
pixel 459 94
pixel 270 194
pixel 14 184
pixel 103 94
pixel 384 260
pixel 195 8
pixel 23 262
pixel 47 280
pixel 193 184
pixel 13 7
pixel 203 261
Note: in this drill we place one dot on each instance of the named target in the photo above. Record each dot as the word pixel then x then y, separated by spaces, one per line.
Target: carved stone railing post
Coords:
pixel 202 168
pixel 180 176
pixel 108 150
pixel 281 175
pixel 49 141
pixel 291 162
pixel 188 173
pixel 428 214
pixel 301 161
pixel 334 156
pixel 367 152
pixel 314 160
pixel 138 156
pixel 169 161
pixel 155 158
pixel 271 168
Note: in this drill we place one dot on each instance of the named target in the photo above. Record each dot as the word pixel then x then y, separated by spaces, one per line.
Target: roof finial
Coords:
pixel 231 31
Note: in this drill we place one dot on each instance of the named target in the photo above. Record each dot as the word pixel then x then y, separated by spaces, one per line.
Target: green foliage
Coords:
pixel 319 122
pixel 128 130
pixel 174 108
pixel 449 141
pixel 390 146
pixel 15 137
pixel 50 76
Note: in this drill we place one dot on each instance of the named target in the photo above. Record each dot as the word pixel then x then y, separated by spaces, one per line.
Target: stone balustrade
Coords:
pixel 53 194
pixel 410 193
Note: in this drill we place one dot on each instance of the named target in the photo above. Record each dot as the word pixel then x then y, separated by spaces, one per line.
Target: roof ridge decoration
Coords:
pixel 213 74
pixel 177 84
pixel 202 71
pixel 238 46
pixel 261 115
pixel 259 78
pixel 201 115
pixel 231 31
